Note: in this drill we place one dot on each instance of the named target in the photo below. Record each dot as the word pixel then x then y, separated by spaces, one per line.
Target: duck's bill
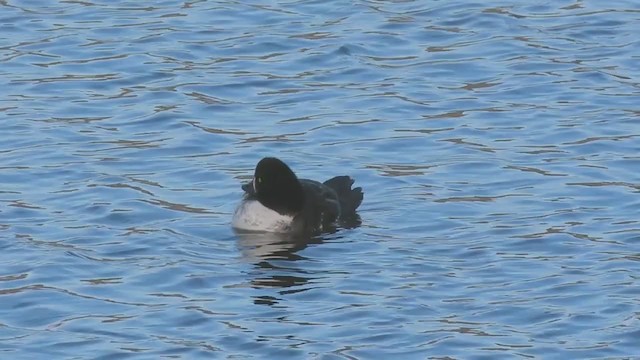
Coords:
pixel 249 188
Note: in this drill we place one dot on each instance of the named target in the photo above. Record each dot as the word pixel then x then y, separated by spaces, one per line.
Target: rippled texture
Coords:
pixel 498 146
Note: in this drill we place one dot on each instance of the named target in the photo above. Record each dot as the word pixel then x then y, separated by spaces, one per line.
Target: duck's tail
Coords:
pixel 349 198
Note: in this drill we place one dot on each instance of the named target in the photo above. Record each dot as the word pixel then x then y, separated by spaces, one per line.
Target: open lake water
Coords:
pixel 497 142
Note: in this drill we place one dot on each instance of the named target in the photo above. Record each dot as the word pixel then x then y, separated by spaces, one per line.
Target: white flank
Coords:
pixel 253 216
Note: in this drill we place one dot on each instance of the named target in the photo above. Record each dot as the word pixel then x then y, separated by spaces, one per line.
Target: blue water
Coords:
pixel 498 145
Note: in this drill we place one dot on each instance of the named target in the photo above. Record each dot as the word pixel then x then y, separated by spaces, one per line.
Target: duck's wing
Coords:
pixel 322 199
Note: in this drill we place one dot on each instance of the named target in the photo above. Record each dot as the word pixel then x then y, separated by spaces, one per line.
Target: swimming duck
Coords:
pixel 277 201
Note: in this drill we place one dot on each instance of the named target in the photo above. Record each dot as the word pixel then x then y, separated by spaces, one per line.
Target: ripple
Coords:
pixel 496 144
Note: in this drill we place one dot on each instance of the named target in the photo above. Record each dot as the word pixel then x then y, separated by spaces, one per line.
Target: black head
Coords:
pixel 276 187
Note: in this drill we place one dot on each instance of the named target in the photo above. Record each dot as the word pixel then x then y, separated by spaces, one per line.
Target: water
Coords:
pixel 498 145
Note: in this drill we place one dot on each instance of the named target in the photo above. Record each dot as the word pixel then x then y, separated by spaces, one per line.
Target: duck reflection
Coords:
pixel 278 262
pixel 275 256
pixel 261 248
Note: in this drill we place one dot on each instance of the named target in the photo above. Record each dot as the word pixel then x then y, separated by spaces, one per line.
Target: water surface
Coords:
pixel 497 144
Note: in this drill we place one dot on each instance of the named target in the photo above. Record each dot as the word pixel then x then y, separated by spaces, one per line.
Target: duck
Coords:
pixel 276 201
